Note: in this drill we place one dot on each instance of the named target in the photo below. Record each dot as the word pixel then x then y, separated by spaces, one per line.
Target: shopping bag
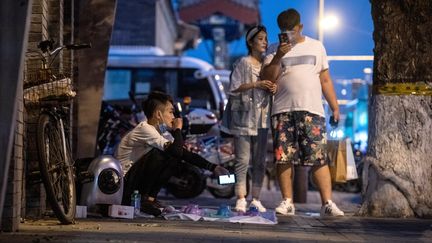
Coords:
pixel 338 160
pixel 351 165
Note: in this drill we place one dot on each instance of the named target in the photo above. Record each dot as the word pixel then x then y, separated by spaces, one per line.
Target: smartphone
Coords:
pixel 177 110
pixel 227 179
pixel 333 122
pixel 283 38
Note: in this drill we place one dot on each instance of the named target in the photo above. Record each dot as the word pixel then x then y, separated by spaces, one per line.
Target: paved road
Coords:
pixel 302 227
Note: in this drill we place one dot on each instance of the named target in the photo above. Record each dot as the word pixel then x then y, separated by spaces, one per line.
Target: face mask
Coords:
pixel 163 127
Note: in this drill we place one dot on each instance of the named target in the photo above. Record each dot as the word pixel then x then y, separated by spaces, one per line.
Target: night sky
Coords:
pixel 353 36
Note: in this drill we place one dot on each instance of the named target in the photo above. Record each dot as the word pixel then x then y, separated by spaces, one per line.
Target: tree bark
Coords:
pixel 398 167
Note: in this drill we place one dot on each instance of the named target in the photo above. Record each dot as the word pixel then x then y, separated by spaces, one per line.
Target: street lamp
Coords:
pixel 335 22
pixel 329 22
pixel 325 22
pixel 320 17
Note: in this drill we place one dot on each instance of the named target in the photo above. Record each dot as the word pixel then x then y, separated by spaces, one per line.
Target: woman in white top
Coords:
pixel 248 117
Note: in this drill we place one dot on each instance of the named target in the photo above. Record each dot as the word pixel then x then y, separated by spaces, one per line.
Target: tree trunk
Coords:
pixel 398 166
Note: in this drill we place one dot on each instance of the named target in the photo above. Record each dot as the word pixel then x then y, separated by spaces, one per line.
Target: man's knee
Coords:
pixel 321 167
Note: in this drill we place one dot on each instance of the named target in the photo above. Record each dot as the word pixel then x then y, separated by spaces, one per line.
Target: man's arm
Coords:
pixel 175 148
pixel 195 159
pixel 199 161
pixel 271 71
pixel 329 93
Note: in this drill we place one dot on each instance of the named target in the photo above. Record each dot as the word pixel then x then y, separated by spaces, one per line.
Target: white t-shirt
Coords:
pixel 138 142
pixel 299 86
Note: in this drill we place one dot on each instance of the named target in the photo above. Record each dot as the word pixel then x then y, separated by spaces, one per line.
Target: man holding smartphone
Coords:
pixel 298 65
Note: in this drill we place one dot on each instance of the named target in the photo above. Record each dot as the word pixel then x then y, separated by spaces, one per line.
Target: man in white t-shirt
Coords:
pixel 150 153
pixel 298 65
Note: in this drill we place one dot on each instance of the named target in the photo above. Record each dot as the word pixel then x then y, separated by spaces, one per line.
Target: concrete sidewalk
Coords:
pixel 304 226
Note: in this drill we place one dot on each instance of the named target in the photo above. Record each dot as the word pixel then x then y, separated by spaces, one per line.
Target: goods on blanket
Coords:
pixel 169 209
pixel 224 211
pixel 223 214
pixel 253 211
pixel 192 209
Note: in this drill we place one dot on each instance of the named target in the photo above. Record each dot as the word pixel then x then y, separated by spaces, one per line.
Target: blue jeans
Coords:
pixel 254 149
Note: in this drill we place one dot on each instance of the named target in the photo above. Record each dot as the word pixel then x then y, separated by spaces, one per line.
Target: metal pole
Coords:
pixel 300 187
pixel 320 18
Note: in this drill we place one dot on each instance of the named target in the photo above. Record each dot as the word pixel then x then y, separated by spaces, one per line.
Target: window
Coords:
pixel 198 89
pixel 117 84
pixel 150 79
pixel 178 83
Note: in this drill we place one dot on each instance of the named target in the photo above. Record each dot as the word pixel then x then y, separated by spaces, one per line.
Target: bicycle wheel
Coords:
pixel 56 168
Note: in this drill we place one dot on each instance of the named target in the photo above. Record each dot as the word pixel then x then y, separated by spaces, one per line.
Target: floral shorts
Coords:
pixel 299 137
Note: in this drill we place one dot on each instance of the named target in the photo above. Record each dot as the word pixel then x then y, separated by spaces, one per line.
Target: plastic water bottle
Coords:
pixel 136 202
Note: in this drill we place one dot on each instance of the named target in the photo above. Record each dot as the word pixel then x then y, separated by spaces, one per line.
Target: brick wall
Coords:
pixel 35 203
pixel 12 205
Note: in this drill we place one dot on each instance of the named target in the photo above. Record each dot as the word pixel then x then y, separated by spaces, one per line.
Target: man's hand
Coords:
pixel 177 123
pixel 219 170
pixel 272 70
pixel 336 115
pixel 283 49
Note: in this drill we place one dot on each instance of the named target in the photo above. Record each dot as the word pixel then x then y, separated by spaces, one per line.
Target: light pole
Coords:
pixel 327 22
pixel 331 22
pixel 320 18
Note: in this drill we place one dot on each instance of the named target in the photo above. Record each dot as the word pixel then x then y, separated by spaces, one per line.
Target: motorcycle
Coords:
pixel 113 125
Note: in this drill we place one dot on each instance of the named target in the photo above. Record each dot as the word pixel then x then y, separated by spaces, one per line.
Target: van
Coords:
pixel 140 70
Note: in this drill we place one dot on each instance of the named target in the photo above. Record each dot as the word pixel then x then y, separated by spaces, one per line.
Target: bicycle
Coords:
pixel 52 94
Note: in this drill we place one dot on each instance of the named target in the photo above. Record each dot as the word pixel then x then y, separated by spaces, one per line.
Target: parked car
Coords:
pixel 142 69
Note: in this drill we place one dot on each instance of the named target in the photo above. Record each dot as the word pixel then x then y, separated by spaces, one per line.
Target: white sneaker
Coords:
pixel 241 205
pixel 286 207
pixel 330 209
pixel 258 205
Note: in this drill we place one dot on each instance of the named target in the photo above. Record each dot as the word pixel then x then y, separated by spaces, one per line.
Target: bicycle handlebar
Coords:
pixel 47 45
pixel 70 47
pixel 77 46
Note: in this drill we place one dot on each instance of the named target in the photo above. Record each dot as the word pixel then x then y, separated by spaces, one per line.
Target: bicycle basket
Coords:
pixel 42 85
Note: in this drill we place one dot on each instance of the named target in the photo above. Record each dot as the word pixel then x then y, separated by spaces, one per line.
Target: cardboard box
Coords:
pixel 120 211
pixel 81 212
